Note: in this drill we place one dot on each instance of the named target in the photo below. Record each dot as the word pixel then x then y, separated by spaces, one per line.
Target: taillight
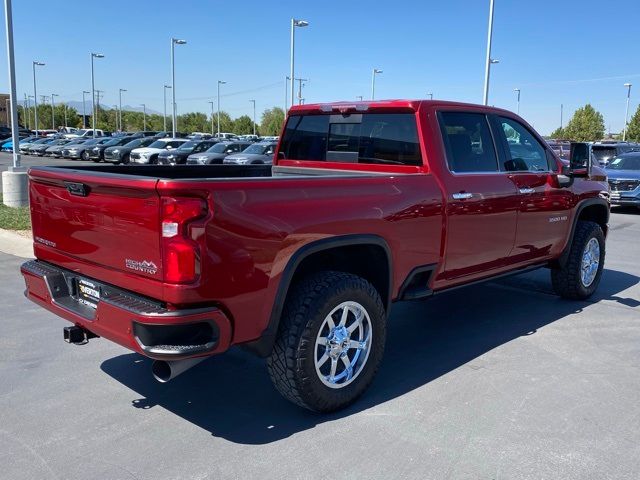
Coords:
pixel 181 254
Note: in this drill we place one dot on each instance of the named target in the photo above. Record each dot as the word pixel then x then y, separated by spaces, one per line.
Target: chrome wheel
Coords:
pixel 343 344
pixel 590 262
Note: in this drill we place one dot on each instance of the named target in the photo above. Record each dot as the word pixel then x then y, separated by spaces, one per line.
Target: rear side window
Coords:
pixel 390 138
pixel 468 142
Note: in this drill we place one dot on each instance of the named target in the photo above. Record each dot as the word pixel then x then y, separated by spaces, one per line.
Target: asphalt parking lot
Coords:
pixel 6 160
pixel 498 381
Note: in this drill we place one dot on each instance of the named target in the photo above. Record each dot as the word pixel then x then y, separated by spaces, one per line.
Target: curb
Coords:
pixel 14 244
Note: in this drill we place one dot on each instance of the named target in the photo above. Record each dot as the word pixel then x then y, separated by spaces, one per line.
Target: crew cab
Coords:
pixel 367 203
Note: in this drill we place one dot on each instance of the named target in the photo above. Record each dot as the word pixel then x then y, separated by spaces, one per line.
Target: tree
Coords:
pixel 243 125
pixel 272 121
pixel 633 128
pixel 558 133
pixel 587 124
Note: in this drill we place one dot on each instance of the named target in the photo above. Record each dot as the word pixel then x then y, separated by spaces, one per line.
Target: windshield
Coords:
pixel 625 163
pixel 187 146
pixel 256 148
pixel 604 153
pixel 114 142
pixel 158 144
pixel 218 148
pixel 138 142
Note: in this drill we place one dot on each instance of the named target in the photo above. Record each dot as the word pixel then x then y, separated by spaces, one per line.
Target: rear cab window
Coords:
pixel 365 138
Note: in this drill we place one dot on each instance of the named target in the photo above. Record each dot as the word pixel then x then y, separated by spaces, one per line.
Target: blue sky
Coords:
pixel 569 51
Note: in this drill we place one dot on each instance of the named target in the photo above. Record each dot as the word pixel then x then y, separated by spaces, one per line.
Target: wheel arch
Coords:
pixel 365 255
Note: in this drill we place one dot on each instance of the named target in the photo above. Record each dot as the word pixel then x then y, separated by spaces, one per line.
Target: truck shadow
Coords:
pixel 231 395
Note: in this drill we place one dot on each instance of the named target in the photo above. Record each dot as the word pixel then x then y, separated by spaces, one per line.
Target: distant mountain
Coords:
pixel 78 107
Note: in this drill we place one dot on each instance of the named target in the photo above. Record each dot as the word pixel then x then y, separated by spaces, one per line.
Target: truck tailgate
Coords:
pixel 108 220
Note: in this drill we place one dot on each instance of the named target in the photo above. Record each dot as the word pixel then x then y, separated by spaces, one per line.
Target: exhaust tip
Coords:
pixel 161 371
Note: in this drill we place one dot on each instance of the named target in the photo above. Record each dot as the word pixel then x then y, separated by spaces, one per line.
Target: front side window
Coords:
pixel 525 152
pixel 380 138
pixel 468 142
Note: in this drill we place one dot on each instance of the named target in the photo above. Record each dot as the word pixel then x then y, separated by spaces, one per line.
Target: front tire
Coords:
pixel 330 341
pixel 85 156
pixel 581 273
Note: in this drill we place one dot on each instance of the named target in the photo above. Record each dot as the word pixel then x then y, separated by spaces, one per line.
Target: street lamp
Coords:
pixel 430 95
pixel 517 90
pixel 93 92
pixel 373 83
pixel 211 103
pixel 294 23
pixel 286 93
pixel 489 61
pixel 174 41
pixel 144 116
pixel 164 96
pixel 53 111
pixel 359 97
pixel 120 90
pixel 35 92
pixel 64 106
pixel 626 112
pixel 220 82
pixel 254 116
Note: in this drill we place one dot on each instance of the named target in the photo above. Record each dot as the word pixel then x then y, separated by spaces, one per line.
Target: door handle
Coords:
pixel 527 190
pixel 462 196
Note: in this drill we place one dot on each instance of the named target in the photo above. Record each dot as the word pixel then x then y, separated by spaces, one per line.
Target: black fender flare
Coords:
pixel 263 345
pixel 564 256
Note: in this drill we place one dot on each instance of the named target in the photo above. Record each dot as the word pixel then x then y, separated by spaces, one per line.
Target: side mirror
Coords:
pixel 169 147
pixel 580 159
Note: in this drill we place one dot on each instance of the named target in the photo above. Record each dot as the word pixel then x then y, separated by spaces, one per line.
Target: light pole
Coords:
pixel 430 95
pixel 144 116
pixel 626 112
pixel 517 90
pixel 164 96
pixel 120 90
pixel 359 97
pixel 174 42
pixel 373 82
pixel 489 61
pixel 8 15
pixel 294 23
pixel 64 105
pixel 53 110
pixel 211 103
pixel 300 85
pixel 220 82
pixel 561 112
pixel 254 116
pixel 93 92
pixel 35 92
pixel 286 93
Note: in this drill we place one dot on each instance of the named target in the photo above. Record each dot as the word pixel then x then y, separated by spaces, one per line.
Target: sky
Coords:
pixel 569 52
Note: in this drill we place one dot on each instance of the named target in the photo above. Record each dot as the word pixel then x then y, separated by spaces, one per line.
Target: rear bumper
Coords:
pixel 135 322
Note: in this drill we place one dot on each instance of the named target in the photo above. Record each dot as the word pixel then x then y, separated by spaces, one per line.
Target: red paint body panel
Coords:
pixel 254 226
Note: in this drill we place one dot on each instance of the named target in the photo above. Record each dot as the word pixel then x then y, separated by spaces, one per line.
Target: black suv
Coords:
pixel 96 153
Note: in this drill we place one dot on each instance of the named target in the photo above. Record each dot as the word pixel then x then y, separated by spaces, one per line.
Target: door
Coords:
pixel 482 202
pixel 544 210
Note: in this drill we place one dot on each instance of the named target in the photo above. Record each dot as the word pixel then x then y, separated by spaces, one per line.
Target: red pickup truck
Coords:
pixel 367 203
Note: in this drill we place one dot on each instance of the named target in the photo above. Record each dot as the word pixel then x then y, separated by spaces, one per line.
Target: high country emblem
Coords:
pixel 143 266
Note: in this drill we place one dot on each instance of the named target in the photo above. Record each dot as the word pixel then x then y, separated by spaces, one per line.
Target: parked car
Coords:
pixel 561 148
pixel 623 174
pixel 605 151
pixel 149 155
pixel 301 262
pixel 27 142
pixel 85 132
pixel 227 136
pixel 217 153
pixel 78 151
pixel 258 153
pixel 39 146
pixel 120 154
pixel 146 133
pixel 96 153
pixel 6 145
pixel 41 150
pixel 55 150
pixel 179 155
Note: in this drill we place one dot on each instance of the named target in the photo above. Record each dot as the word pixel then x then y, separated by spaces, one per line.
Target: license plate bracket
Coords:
pixel 88 292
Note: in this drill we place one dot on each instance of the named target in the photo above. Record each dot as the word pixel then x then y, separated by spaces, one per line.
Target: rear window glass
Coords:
pixel 388 138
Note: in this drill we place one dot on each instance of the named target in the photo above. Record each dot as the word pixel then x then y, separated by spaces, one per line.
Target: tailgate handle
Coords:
pixel 76 188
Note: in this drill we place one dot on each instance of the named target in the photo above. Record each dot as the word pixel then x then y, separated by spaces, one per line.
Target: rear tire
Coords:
pixel 581 273
pixel 320 367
